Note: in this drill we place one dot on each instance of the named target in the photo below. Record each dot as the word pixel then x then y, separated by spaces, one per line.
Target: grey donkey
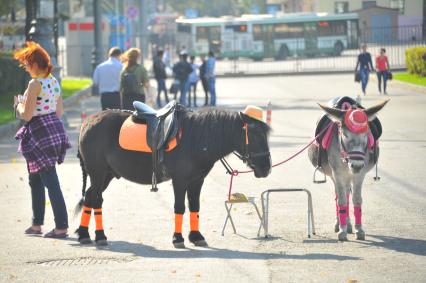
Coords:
pixel 352 152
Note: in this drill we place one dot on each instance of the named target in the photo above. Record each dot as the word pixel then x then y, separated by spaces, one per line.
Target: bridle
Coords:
pixel 349 155
pixel 247 156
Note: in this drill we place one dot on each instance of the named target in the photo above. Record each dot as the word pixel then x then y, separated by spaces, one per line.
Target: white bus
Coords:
pixel 267 36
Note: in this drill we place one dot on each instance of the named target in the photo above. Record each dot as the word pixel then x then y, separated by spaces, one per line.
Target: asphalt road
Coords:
pixel 139 224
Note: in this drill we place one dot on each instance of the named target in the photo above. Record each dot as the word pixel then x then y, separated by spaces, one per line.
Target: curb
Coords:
pixel 10 128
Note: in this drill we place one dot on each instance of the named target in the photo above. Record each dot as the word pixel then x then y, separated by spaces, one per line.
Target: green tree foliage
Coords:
pixel 5 7
pixel 415 61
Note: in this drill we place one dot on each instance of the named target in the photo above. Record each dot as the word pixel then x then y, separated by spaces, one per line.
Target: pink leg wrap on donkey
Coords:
pixel 337 206
pixel 357 213
pixel 343 214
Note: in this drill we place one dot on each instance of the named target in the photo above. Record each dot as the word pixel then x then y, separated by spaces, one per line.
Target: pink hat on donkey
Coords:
pixel 356 120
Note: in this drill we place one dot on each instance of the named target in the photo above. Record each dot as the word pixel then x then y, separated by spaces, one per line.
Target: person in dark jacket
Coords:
pixel 182 69
pixel 160 77
pixel 365 66
pixel 204 80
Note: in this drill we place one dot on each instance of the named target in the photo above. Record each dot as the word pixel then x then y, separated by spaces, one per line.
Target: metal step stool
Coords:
pixel 239 198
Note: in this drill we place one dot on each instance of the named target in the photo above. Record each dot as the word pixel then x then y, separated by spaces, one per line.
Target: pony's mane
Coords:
pixel 213 129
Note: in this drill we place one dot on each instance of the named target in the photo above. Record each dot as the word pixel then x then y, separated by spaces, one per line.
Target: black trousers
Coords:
pixel 127 100
pixel 110 100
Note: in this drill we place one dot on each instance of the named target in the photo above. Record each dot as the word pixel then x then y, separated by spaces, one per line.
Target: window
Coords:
pixel 288 30
pixel 398 4
pixel 331 28
pixel 184 28
pixel 237 28
pixel 341 7
pixel 368 4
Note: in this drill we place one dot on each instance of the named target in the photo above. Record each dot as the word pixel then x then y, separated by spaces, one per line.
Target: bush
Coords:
pixel 416 63
pixel 14 79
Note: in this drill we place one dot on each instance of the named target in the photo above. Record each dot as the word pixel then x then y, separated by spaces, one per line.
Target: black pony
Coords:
pixel 206 136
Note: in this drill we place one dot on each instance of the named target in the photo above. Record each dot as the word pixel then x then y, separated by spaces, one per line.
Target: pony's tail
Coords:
pixel 79 205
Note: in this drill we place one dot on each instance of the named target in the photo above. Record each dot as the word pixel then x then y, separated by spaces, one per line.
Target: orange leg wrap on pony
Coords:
pixel 194 221
pixel 98 218
pixel 85 216
pixel 178 223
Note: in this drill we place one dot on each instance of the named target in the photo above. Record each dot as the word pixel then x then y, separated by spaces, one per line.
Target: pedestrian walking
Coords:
pixel 383 69
pixel 365 66
pixel 182 69
pixel 107 79
pixel 133 79
pixel 193 80
pixel 204 80
pixel 160 76
pixel 166 57
pixel 211 77
pixel 43 140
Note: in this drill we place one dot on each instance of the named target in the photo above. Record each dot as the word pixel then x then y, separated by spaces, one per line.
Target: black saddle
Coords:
pixel 162 126
pixel 337 102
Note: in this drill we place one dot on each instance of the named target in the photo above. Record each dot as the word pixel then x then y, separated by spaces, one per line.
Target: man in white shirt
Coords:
pixel 107 78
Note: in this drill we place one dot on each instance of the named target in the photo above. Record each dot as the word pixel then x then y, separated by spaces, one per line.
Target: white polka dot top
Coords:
pixel 48 96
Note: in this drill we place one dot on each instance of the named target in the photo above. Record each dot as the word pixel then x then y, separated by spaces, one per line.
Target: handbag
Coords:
pixel 390 76
pixel 357 77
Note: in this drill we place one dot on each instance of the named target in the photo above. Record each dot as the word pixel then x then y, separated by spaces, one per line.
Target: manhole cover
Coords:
pixel 83 261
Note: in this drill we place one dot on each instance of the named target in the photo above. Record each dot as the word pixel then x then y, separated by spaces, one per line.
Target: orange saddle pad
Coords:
pixel 133 137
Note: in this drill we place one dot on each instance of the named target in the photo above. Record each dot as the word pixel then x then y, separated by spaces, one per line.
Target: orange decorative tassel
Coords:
pixel 98 218
pixel 193 221
pixel 178 223
pixel 85 216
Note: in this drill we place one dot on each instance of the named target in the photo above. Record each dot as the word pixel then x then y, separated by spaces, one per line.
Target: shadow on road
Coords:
pixel 402 245
pixel 146 251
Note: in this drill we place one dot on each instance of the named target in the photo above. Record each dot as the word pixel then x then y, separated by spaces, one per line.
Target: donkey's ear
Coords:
pixel 371 112
pixel 333 112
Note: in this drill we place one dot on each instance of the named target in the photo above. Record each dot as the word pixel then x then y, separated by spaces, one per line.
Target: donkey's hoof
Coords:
pixel 178 241
pixel 359 232
pixel 349 230
pixel 336 227
pixel 197 239
pixel 342 236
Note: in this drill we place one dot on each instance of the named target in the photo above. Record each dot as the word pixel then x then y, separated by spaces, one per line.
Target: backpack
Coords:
pixel 130 84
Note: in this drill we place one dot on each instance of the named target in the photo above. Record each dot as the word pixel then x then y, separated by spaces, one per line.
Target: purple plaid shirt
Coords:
pixel 43 142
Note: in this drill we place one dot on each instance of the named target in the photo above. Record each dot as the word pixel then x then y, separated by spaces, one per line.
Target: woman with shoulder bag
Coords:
pixel 383 70
pixel 133 79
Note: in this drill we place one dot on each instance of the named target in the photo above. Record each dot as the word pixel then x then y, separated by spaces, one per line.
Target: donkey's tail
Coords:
pixel 79 205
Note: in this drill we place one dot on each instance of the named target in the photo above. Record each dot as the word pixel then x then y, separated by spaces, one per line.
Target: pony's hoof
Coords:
pixel 101 239
pixel 342 236
pixel 200 243
pixel 85 241
pixel 178 241
pixel 102 242
pixel 197 239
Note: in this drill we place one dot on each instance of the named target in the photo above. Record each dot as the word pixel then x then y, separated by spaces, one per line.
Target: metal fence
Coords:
pixel 76 60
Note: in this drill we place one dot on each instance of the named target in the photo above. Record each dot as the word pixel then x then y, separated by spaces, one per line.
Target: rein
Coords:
pixel 235 172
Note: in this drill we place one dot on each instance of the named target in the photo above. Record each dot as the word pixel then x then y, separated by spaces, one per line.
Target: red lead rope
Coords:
pixel 237 172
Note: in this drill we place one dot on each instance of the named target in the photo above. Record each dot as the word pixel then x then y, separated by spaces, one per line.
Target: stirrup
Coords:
pixel 377 177
pixel 154 187
pixel 315 176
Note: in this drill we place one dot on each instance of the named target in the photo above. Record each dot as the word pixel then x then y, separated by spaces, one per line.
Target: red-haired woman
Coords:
pixel 43 141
